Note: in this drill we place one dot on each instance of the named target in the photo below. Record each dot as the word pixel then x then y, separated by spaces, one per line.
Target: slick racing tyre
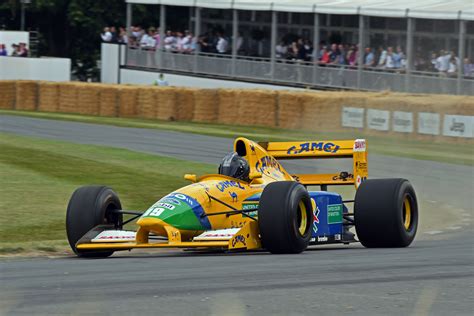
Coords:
pixel 88 207
pixel 386 213
pixel 285 217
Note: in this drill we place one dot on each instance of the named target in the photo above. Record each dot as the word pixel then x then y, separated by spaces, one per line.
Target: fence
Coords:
pixel 294 72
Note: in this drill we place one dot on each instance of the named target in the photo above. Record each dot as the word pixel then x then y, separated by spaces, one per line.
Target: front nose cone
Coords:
pixel 178 210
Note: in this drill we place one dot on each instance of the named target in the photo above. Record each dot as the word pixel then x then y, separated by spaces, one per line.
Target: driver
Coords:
pixel 235 166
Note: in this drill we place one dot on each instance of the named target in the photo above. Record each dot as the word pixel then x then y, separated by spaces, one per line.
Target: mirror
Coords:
pixel 190 177
pixel 255 175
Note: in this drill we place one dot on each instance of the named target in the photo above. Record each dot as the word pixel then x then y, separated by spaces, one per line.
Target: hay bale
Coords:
pixel 166 103
pixel 146 103
pixel 290 109
pixel 48 99
pixel 228 106
pixel 88 95
pixel 184 104
pixel 26 95
pixel 108 100
pixel 321 112
pixel 68 97
pixel 205 105
pixel 257 107
pixel 127 101
pixel 8 94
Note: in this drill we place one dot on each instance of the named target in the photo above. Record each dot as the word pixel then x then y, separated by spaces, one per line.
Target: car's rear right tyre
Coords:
pixel 386 213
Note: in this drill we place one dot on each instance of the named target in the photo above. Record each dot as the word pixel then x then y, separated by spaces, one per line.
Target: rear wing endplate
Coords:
pixel 355 149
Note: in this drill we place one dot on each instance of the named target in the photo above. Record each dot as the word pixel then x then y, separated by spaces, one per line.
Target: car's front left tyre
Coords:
pixel 89 207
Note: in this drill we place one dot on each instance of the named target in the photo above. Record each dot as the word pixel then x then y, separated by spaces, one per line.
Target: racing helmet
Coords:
pixel 235 166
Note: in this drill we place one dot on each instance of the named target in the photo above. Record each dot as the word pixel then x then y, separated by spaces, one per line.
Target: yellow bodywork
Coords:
pixel 264 169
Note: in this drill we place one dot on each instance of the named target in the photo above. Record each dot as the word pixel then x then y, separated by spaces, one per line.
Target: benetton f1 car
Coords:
pixel 254 203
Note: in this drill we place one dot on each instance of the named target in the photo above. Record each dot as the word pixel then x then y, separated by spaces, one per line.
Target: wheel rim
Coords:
pixel 406 213
pixel 302 218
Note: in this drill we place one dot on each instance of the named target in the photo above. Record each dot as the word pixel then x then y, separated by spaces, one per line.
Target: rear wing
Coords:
pixel 355 149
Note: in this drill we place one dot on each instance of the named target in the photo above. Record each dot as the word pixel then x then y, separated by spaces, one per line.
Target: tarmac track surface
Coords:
pixel 430 277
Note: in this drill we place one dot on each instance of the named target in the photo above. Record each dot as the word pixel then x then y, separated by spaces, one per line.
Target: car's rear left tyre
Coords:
pixel 88 207
pixel 285 217
pixel 386 213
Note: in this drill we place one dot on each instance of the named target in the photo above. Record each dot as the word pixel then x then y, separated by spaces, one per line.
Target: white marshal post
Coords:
pixel 162 33
pixel 235 37
pixel 316 41
pixel 273 40
pixel 360 57
pixel 197 33
pixel 410 52
pixel 461 50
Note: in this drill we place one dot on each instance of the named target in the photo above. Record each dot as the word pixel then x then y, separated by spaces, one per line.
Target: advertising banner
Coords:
pixel 353 117
pixel 403 122
pixel 458 126
pixel 378 119
pixel 428 123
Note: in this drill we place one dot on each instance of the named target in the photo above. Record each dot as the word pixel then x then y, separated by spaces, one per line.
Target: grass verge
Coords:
pixel 37 178
pixel 393 146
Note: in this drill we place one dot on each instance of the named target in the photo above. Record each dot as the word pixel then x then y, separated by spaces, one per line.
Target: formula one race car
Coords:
pixel 253 203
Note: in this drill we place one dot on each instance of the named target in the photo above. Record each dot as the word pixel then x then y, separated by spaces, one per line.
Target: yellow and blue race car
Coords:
pixel 254 203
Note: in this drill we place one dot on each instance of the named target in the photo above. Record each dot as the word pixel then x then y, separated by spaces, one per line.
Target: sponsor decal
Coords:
pixel 233 195
pixel 154 211
pixel 458 126
pixel 312 239
pixel 335 214
pixel 428 123
pixel 359 145
pixel 343 176
pixel 167 205
pixel 239 239
pixel 322 238
pixel 361 167
pixel 353 117
pixel 315 219
pixel 359 180
pixel 250 206
pixel 312 147
pixel 337 237
pixel 378 119
pixel 267 162
pixel 403 122
pixel 223 185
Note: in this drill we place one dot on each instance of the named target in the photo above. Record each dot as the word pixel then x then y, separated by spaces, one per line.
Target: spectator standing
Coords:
pixel 148 40
pixel 106 35
pixel 325 56
pixel 204 45
pixel 281 50
pixel 382 57
pixel 3 50
pixel 114 35
pixel 399 58
pixel 333 54
pixel 170 41
pixel 352 56
pixel 122 38
pixel 452 68
pixel 22 50
pixel 15 50
pixel 390 59
pixel 468 68
pixel 222 44
pixel 433 62
pixel 369 57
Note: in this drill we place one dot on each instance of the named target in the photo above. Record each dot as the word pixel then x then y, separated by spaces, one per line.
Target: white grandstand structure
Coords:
pixel 418 26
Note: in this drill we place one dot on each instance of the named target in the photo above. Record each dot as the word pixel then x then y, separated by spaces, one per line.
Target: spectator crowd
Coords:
pixel 17 50
pixel 300 50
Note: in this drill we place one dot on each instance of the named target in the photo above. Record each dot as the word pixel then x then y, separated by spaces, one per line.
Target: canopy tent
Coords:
pixel 423 9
